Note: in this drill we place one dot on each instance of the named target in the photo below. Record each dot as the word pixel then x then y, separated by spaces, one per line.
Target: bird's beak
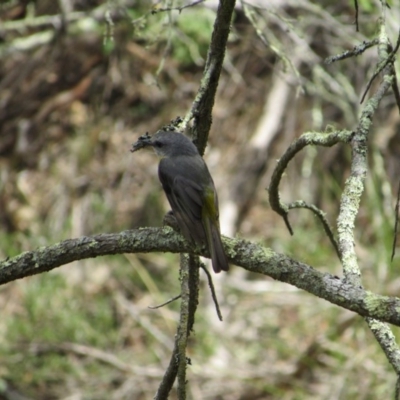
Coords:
pixel 143 141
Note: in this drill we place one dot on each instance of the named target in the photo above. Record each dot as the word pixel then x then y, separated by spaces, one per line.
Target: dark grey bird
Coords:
pixel 190 191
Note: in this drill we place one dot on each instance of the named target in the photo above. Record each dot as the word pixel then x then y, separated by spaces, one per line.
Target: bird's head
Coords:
pixel 167 144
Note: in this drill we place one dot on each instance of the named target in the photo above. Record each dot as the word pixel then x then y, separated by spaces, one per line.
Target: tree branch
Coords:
pixel 250 256
pixel 354 186
pixel 170 375
pixel 309 138
pixel 203 104
pixel 183 327
pixel 321 216
pixel 357 50
pixel 353 189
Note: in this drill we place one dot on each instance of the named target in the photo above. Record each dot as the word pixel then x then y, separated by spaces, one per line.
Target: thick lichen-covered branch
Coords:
pixel 354 188
pixel 248 255
pixel 354 185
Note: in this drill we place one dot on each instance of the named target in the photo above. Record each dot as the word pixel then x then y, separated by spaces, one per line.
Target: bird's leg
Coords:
pixel 170 220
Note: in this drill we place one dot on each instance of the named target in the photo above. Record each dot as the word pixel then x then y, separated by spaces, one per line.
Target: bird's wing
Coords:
pixel 186 199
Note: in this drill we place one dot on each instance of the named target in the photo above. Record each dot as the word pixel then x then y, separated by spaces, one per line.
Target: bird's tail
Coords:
pixel 217 252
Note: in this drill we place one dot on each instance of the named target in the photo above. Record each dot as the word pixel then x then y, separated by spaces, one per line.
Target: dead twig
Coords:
pixel 212 289
pixel 165 303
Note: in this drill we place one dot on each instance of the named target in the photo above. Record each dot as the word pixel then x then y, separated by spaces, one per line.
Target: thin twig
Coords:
pixel 166 303
pixel 357 50
pixel 322 217
pixel 133 311
pixel 356 17
pixel 213 294
pixel 381 67
pixel 309 138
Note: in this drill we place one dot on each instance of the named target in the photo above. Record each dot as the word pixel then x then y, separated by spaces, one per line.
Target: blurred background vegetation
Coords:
pixel 80 80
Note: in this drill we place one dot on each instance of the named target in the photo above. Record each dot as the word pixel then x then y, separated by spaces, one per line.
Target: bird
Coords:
pixel 190 191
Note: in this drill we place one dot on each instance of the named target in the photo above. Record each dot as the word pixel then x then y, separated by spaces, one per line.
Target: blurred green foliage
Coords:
pixel 192 36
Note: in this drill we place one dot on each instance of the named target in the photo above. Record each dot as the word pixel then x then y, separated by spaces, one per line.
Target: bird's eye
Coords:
pixel 157 143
